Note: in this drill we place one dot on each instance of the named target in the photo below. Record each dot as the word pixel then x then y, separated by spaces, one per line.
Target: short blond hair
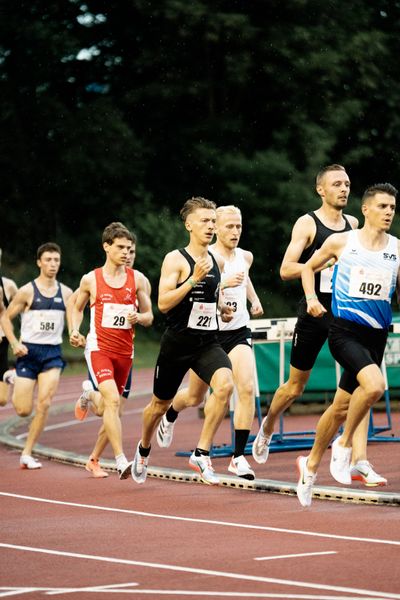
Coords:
pixel 230 208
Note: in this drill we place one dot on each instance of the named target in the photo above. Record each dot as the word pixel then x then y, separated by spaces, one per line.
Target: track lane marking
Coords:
pixel 203 521
pixel 109 590
pixel 208 572
pixel 295 555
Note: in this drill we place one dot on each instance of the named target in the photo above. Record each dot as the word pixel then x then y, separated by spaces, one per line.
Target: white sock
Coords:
pixel 121 461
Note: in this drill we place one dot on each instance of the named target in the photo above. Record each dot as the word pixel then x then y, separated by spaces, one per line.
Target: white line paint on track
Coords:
pixel 208 572
pixel 205 521
pixel 109 589
pixel 295 555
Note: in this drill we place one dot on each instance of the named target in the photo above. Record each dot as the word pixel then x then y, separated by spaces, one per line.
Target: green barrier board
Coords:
pixel 323 376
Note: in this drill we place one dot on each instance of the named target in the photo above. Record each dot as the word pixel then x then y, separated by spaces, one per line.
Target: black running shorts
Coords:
pixel 180 352
pixel 3 357
pixel 230 338
pixel 310 334
pixel 355 346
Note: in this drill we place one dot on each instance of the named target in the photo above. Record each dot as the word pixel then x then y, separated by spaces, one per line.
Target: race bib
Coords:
pixel 115 316
pixel 233 298
pixel 44 321
pixel 325 283
pixel 203 316
pixel 370 283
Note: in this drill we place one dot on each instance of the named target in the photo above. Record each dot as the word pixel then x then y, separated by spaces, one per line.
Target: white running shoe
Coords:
pixel 305 482
pixel 363 471
pixel 27 461
pixel 240 467
pixel 340 463
pixel 165 432
pixel 9 376
pixel 139 467
pixel 260 449
pixel 202 464
pixel 124 470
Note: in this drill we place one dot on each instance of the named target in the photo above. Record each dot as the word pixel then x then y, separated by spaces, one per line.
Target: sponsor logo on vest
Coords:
pixel 387 256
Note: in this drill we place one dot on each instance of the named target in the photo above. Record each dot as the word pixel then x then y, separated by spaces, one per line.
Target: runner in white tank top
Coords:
pixel 42 306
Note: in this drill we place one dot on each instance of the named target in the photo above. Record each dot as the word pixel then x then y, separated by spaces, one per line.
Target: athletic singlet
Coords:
pixel 236 297
pixel 364 281
pixel 109 327
pixel 323 279
pixel 5 302
pixel 197 312
pixel 43 322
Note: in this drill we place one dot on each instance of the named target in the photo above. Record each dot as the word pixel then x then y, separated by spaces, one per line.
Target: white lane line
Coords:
pixel 16 591
pixel 111 588
pixel 295 555
pixel 206 521
pixel 190 593
pixel 226 574
pixel 72 422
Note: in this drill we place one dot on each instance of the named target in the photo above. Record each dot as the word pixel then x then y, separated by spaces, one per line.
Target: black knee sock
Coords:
pixel 144 451
pixel 200 452
pixel 241 437
pixel 171 415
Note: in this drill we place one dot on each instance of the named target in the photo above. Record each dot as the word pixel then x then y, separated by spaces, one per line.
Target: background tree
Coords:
pixel 122 110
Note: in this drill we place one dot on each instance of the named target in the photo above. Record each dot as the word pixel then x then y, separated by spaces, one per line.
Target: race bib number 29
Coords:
pixel 115 316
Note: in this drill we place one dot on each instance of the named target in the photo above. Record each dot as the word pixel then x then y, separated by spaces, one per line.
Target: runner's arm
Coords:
pixel 329 250
pixel 76 310
pixel 18 305
pixel 145 315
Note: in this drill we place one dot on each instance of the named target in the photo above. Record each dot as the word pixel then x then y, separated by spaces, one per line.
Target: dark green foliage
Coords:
pixel 241 102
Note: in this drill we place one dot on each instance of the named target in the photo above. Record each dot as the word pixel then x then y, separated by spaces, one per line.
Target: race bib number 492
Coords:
pixel 370 283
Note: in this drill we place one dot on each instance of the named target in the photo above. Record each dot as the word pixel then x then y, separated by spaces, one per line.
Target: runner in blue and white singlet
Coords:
pixel 366 276
pixel 364 282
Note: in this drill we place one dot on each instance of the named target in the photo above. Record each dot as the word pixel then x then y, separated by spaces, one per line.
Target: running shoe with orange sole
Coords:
pixel 82 404
pixel 94 468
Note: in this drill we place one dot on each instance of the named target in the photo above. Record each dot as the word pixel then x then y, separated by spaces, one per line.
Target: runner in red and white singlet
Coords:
pixel 114 292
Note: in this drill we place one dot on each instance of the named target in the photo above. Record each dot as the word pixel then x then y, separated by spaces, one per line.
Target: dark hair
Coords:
pixel 193 204
pixel 116 230
pixel 383 188
pixel 47 247
pixel 326 169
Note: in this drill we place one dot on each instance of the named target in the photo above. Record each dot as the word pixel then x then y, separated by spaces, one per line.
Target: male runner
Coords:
pixel 114 292
pixel 234 337
pixel 89 391
pixel 7 375
pixel 41 304
pixel 188 295
pixel 366 276
pixel 309 233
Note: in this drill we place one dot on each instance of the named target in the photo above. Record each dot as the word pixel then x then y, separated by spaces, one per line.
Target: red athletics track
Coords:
pixel 65 534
